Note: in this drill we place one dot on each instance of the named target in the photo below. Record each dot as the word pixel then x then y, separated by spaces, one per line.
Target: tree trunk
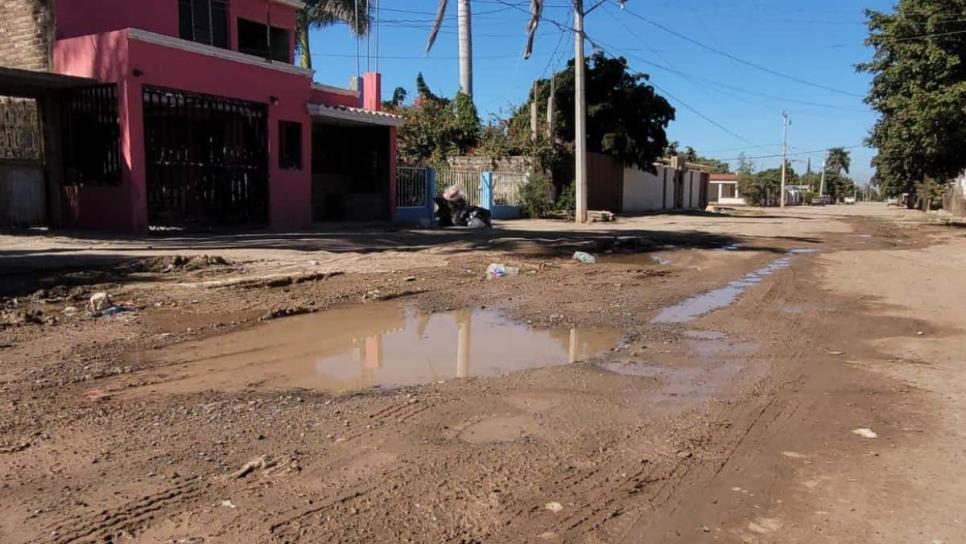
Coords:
pixel 464 17
pixel 302 41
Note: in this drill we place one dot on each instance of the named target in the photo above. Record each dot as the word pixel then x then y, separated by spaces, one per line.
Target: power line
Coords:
pixel 739 59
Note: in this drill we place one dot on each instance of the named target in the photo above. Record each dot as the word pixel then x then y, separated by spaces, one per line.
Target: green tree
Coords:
pixel 763 188
pixel 837 184
pixel 626 118
pixel 918 88
pixel 320 13
pixel 437 127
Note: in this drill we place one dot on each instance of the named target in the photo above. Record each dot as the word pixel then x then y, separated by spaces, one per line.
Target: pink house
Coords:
pixel 201 118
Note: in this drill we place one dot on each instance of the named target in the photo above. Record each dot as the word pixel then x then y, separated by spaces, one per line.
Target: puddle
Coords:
pixel 360 347
pixel 723 297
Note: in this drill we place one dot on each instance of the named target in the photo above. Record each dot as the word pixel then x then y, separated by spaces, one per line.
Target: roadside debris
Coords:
pixel 554 507
pixel 99 302
pixel 258 463
pixel 499 270
pixel 228 504
pixel 584 257
pixel 453 210
pixel 865 433
pixel 600 216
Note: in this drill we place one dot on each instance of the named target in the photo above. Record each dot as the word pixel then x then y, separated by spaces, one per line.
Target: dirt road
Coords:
pixel 777 376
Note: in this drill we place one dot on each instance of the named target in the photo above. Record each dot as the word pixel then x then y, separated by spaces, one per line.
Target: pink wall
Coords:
pixel 321 96
pixel 113 57
pixel 289 190
pixel 84 17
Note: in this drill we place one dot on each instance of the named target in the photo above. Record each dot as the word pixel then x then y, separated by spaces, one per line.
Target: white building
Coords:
pixel 723 190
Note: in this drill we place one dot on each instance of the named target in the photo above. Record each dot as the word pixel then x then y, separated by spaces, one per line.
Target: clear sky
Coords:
pixel 729 67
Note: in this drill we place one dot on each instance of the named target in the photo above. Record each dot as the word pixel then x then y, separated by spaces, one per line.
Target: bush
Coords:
pixel 537 201
pixel 808 197
pixel 567 199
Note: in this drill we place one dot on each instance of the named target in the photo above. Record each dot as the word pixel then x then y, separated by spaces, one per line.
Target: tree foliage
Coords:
pixel 626 118
pixel 763 188
pixel 919 89
pixel 319 13
pixel 436 127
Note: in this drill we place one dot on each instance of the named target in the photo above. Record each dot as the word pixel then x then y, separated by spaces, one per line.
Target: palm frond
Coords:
pixel 536 10
pixel 437 23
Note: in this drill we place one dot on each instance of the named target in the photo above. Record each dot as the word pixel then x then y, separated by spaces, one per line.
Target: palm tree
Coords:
pixel 320 13
pixel 838 161
pixel 464 22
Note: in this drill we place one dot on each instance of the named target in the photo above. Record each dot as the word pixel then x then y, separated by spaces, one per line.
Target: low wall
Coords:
pixel 23 196
pixel 649 192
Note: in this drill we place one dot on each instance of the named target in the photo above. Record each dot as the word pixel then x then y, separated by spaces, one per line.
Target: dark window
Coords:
pixel 254 39
pixel 92 136
pixel 289 145
pixel 204 21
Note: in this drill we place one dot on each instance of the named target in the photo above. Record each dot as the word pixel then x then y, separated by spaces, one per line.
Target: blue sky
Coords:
pixel 725 105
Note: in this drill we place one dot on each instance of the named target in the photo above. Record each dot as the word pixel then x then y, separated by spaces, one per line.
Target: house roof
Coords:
pixel 354 116
pixel 723 177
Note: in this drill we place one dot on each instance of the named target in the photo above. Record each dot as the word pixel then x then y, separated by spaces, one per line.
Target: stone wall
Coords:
pixel 25 34
pixel 509 165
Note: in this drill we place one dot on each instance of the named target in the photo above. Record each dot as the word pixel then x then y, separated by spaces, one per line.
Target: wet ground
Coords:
pixel 701 382
pixel 361 347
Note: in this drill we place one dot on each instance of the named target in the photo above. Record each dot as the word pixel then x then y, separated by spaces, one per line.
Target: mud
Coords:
pixel 232 405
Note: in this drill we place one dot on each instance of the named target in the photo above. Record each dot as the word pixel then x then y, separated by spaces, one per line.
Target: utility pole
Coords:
pixel 553 89
pixel 580 121
pixel 821 188
pixel 534 113
pixel 785 123
pixel 464 18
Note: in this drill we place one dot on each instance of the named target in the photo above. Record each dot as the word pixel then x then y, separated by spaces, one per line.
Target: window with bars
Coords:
pixel 204 21
pixel 290 145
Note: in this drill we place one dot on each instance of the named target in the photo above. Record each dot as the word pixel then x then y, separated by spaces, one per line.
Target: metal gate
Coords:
pixel 207 160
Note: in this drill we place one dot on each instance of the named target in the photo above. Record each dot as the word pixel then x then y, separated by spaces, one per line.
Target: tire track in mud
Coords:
pixel 128 517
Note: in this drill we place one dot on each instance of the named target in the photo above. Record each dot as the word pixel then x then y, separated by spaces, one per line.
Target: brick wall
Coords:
pixel 24 34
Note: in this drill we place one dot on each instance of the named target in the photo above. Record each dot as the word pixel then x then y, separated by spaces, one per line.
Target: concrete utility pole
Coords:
pixel 463 18
pixel 580 121
pixel 821 188
pixel 785 124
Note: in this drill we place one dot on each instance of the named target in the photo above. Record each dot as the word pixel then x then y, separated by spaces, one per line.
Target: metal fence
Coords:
pixel 20 136
pixel 468 182
pixel 411 187
pixel 508 188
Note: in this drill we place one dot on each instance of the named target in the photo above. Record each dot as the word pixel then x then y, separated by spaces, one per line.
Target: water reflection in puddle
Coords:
pixel 361 347
pixel 717 299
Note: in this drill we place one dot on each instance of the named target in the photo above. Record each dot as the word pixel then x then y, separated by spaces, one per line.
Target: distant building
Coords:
pixel 723 190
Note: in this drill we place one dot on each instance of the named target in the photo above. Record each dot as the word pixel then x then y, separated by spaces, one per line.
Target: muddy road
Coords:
pixel 746 377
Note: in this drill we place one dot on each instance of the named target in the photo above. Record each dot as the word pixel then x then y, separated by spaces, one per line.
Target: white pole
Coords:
pixel 821 189
pixel 784 154
pixel 580 121
pixel 464 20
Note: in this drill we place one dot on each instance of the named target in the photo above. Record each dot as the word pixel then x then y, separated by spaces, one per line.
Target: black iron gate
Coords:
pixel 207 160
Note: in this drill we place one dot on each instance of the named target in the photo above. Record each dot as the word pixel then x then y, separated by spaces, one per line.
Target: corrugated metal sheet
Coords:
pixel 23 198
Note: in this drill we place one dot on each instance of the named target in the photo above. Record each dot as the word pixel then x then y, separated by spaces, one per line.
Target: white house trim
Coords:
pixel 335 90
pixel 297 4
pixel 355 115
pixel 226 54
